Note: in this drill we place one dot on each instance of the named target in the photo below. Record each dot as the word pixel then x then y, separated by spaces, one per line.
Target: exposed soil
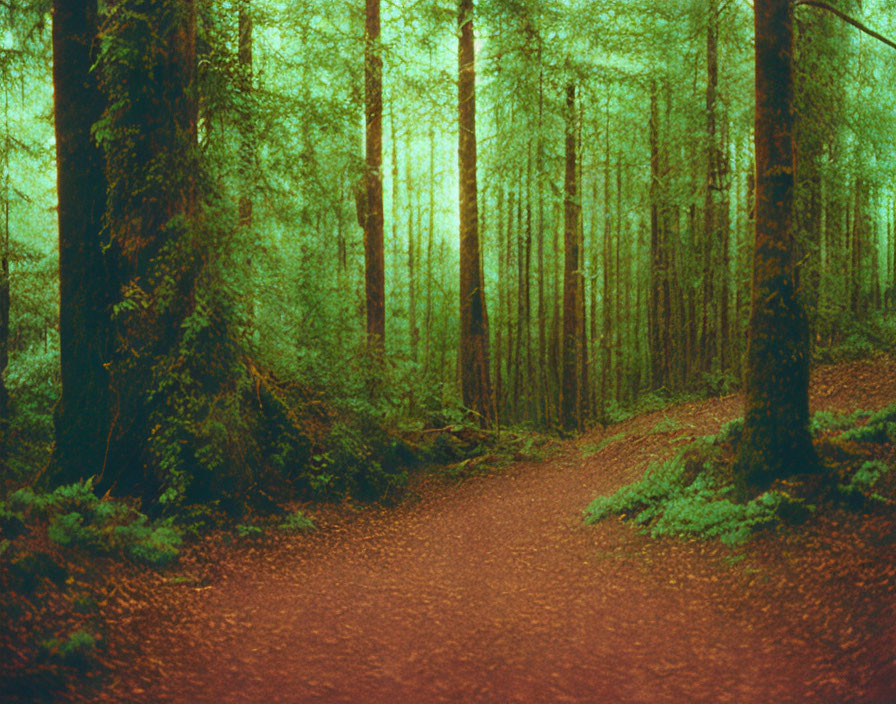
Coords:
pixel 495 591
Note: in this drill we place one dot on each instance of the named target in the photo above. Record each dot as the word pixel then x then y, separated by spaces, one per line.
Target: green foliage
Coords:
pixel 881 426
pixel 297 522
pixel 76 649
pixel 687 496
pixel 693 493
pixel 595 447
pixel 76 516
pixel 867 475
pixel 249 532
pixel 825 421
pixel 665 425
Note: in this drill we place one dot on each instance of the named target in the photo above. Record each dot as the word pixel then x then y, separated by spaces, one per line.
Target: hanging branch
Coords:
pixel 846 18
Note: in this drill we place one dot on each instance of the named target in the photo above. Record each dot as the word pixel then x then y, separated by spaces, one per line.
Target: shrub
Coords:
pixel 76 650
pixel 76 516
pixel 297 522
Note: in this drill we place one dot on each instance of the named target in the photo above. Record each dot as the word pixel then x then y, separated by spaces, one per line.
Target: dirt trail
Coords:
pixel 494 591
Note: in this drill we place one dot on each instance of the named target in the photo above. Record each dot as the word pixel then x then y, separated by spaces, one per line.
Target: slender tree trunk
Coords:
pixel 247 144
pixel 474 339
pixel 570 392
pixel 502 307
pixel 775 440
pixel 606 305
pixel 4 281
pixel 510 377
pixel 544 405
pixel 712 189
pixel 374 264
pixel 86 285
pixel 430 234
pixel 658 358
pixel 526 298
pixel 414 333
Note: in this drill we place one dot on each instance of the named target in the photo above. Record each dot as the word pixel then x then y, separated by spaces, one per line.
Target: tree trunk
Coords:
pixel 374 265
pixel 775 440
pixel 570 391
pixel 606 306
pixel 85 283
pixel 414 333
pixel 4 288
pixel 474 340
pixel 544 405
pixel 247 144
pixel 161 363
pixel 430 234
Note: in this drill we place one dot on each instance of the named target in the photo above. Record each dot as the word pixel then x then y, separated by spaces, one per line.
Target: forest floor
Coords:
pixel 493 590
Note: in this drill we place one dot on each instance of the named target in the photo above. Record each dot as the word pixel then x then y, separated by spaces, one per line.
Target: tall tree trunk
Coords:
pixel 85 283
pixel 542 383
pixel 619 313
pixel 712 189
pixel 414 333
pixel 570 392
pixel 430 234
pixel 659 360
pixel 247 138
pixel 247 144
pixel 474 339
pixel 525 297
pixel 4 283
pixel 606 305
pixel 775 440
pixel 374 264
pixel 151 166
pixel 509 377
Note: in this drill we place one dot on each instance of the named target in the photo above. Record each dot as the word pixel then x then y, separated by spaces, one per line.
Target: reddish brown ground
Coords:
pixel 495 591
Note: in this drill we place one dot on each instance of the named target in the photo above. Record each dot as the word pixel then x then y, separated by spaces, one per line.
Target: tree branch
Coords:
pixel 846 18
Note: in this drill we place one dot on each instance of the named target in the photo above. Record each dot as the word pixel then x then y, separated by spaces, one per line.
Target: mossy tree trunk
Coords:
pixel 776 440
pixel 176 369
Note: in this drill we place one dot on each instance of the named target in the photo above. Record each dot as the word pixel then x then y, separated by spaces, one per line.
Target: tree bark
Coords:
pixel 474 340
pixel 775 440
pixel 151 166
pixel 570 391
pixel 85 280
pixel 374 264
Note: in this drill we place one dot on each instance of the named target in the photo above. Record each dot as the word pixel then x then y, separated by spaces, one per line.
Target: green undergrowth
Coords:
pixel 477 452
pixel 75 516
pixel 594 447
pixel 693 494
pixel 848 339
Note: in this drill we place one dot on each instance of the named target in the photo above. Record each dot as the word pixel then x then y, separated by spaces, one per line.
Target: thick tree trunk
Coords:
pixel 85 284
pixel 570 393
pixel 775 440
pixel 374 264
pixel 474 339
pixel 151 166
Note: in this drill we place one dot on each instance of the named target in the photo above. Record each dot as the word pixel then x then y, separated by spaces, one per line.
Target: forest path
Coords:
pixel 495 591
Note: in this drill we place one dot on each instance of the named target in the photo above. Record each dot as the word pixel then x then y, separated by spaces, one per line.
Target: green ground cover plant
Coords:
pixel 694 493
